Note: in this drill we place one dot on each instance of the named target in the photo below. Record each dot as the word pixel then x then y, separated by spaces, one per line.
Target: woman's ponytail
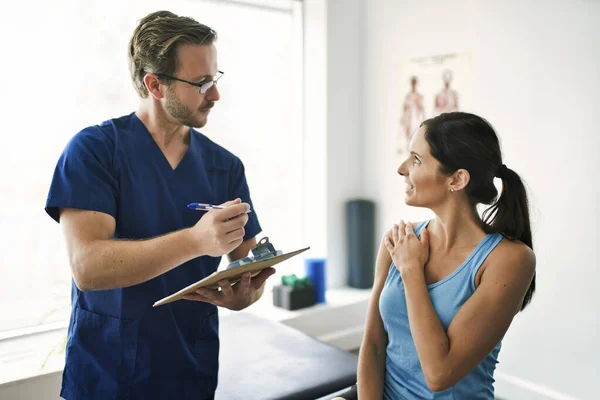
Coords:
pixel 509 215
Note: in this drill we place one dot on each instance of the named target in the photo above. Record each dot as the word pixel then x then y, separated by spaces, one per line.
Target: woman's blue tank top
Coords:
pixel 404 379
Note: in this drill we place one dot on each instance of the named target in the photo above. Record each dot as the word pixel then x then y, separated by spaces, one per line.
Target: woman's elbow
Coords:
pixel 437 386
pixel 438 382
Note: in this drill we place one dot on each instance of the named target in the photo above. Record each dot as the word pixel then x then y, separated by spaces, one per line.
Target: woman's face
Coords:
pixel 425 185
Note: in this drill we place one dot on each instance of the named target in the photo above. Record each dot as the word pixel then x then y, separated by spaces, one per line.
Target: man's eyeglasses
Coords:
pixel 204 86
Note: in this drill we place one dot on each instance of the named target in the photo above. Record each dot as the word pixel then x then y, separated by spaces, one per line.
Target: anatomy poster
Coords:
pixel 429 86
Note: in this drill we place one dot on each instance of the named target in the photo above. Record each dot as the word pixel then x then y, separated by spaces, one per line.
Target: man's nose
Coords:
pixel 213 94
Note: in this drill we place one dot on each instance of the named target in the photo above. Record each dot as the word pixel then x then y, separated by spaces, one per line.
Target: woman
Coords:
pixel 446 290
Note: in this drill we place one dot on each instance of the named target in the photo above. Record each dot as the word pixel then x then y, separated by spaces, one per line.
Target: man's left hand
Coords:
pixel 237 297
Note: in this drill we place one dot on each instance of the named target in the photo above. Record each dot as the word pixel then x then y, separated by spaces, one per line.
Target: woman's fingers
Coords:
pixel 401 230
pixel 395 234
pixel 409 229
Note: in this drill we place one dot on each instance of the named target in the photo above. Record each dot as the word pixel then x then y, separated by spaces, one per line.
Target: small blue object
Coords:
pixel 203 207
pixel 315 271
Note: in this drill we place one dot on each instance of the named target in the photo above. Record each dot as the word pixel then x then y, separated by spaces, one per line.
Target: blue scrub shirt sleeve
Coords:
pixel 84 177
pixel 239 188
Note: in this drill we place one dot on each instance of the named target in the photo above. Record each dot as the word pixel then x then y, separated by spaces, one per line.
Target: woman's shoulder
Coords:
pixel 512 253
pixel 515 248
pixel 509 258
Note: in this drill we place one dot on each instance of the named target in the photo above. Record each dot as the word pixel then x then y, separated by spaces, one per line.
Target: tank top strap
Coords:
pixel 417 229
pixel 481 252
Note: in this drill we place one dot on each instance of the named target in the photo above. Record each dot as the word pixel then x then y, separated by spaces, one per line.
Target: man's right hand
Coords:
pixel 99 262
pixel 218 232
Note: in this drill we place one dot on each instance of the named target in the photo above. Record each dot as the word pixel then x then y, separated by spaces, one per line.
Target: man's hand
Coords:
pixel 218 232
pixel 236 297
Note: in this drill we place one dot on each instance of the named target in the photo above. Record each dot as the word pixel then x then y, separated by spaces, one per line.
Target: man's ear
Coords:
pixel 153 86
pixel 459 180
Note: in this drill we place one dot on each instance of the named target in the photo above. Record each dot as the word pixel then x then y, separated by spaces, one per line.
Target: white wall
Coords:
pixel 345 125
pixel 536 79
pixel 334 126
pixel 315 127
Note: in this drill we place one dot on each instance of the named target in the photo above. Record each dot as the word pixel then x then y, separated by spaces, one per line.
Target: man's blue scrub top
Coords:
pixel 119 346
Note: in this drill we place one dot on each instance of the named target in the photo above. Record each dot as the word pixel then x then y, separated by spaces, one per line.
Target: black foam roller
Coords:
pixel 360 227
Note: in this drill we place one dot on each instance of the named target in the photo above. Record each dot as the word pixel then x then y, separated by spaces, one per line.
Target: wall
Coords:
pixel 536 80
pixel 345 125
pixel 333 126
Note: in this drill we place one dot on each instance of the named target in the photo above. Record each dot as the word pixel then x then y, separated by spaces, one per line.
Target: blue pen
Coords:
pixel 205 207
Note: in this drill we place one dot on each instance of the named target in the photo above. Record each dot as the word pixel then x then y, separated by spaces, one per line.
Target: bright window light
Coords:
pixel 64 67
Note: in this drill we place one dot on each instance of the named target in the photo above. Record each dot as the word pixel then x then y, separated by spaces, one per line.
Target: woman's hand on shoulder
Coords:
pixel 408 252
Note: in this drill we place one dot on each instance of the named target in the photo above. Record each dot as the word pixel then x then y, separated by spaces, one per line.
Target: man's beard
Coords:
pixel 181 113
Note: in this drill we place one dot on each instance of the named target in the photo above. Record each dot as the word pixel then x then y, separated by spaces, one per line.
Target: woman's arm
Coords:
pixel 371 360
pixel 446 357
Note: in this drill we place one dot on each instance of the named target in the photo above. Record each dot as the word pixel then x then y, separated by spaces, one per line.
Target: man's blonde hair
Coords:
pixel 153 46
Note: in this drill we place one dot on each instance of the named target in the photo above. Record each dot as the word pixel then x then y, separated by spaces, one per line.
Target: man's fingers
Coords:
pixel 210 294
pixel 234 243
pixel 233 224
pixel 244 283
pixel 260 279
pixel 231 202
pixel 231 211
pixel 197 297
pixel 226 289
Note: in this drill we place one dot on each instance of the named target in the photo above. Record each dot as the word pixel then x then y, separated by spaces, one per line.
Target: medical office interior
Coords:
pixel 312 102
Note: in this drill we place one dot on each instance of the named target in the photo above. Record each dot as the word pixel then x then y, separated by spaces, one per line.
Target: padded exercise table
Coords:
pixel 265 360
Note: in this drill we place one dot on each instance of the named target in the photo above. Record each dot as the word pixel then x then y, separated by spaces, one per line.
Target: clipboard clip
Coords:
pixel 261 251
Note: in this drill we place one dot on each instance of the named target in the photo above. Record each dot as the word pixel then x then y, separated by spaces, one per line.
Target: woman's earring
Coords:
pixel 452 189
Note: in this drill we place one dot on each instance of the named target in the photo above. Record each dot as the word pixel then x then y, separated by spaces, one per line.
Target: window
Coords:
pixel 65 68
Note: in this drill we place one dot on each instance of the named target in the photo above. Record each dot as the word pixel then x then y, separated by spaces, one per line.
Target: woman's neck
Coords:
pixel 456 227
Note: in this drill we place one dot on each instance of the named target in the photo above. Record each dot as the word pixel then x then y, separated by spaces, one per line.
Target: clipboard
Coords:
pixel 232 275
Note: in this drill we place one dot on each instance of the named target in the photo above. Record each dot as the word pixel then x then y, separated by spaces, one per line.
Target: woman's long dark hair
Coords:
pixel 465 141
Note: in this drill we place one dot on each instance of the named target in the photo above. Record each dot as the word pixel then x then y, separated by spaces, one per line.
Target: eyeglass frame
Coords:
pixel 201 85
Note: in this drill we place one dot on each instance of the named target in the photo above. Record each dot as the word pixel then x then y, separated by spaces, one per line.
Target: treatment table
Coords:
pixel 262 359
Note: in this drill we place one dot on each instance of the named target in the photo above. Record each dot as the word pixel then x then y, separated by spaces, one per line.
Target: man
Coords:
pixel 120 192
